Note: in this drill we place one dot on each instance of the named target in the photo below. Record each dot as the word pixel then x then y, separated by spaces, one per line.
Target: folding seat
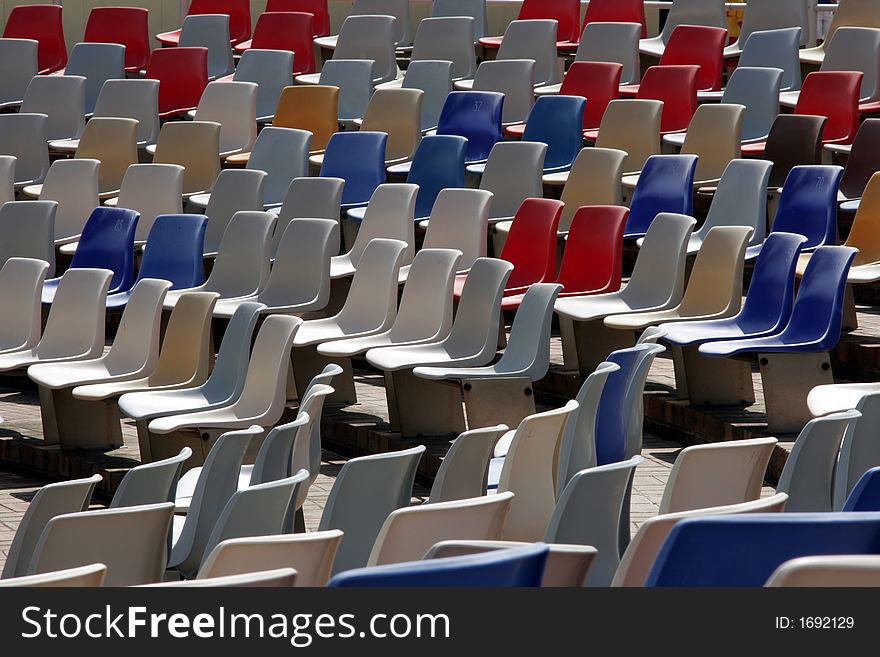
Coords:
pixel 317 8
pixel 558 122
pixel 462 473
pixel 282 153
pixel 768 15
pixel 397 9
pixel 757 89
pixel 27 230
pixel 695 45
pixel 398 113
pixel 512 77
pixel 270 71
pixel 41 23
pixel 657 283
pixel 364 37
pixel 849 13
pixel 632 126
pixel 475 9
pixel 711 13
pixel 794 140
pixel 598 81
pixel 715 137
pixel 312 108
pixel 354 79
pixel 513 174
pixel 609 11
pixel 113 142
pixel 150 190
pixel 234 106
pixel 18 64
pixel 447 39
pixel 210 31
pixel 238 11
pixel 97 63
pixel 861 164
pixel 616 43
pixel 676 87
pixel 642 551
pixel 183 76
pixel 127 26
pixel 241 267
pixel 358 158
pixel 26 137
pixel 78 424
pixel 595 180
pixel 106 242
pixel 318 198
pixel 66 120
pixel 533 39
pixel 665 185
pixel 565 12
pixel 194 145
pixel 290 31
pixel 73 185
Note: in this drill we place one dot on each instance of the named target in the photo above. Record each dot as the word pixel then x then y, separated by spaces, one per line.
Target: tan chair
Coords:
pixel 113 142
pixel 314 108
pixel 280 578
pixel 73 184
pixel 194 145
pixel 715 287
pixel 84 576
pixel 409 533
pixel 849 13
pixel 632 126
pixel 639 556
pixel 714 135
pixel 828 571
pixel 529 471
pixel 311 555
pixel 397 112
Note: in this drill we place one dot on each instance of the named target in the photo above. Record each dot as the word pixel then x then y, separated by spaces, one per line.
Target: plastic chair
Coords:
pixel 41 23
pixel 695 45
pixel 151 190
pixel 598 81
pixel 129 99
pixel 809 469
pixel 794 140
pixel 239 19
pixel 364 37
pixel 775 49
pixel 150 483
pixel 476 116
pixel 664 185
pixel 20 282
pixel 183 76
pixel 837 571
pixel 26 231
pixel 517 567
pixel 234 106
pixel 865 493
pixel 311 555
pixel 531 244
pixel 475 9
pixel 834 95
pixel 610 11
pixel 113 143
pixel 676 87
pixel 194 145
pixel 291 31
pixel 447 39
pixel 24 136
pixel 610 42
pixel 41 97
pixel 438 164
pixel 758 90
pixel 557 121
pixel 19 65
pixel 513 174
pixel 533 39
pixel 210 31
pixel 270 71
pixel 685 12
pixel 97 63
pixel 127 26
pixel 398 113
pixel 397 9
pixel 763 16
pixel 354 78
pixel 595 179
pixel 387 479
pixel 715 136
pixel 282 153
pixel 91 576
pixel 861 163
pixel 462 473
pixel 73 185
pixel 860 13
pixel 434 78
pixel 312 108
pixel 358 158
pixel 319 198
pixel 564 12
pixel 856 50
pixel 511 77
pixel 317 8
pixel 632 126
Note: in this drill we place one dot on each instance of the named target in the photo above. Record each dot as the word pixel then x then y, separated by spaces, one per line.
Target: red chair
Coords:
pixel 695 45
pixel 182 75
pixel 598 82
pixel 42 23
pixel 317 8
pixel 835 95
pixel 593 258
pixel 610 11
pixel 239 12
pixel 125 25
pixel 285 31
pixel 566 12
pixel 676 86
pixel 531 244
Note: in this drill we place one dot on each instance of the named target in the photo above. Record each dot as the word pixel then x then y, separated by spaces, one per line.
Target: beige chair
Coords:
pixel 397 112
pixel 714 475
pixel 311 555
pixel 632 126
pixel 639 556
pixel 529 471
pixel 715 287
pixel 567 565
pixel 836 571
pixel 131 542
pixel 84 576
pixel 849 13
pixel 113 142
pixel 21 284
pixel 74 185
pixel 234 106
pixel 462 474
pixel 151 190
pixel 409 533
pixel 194 145
pixel 280 578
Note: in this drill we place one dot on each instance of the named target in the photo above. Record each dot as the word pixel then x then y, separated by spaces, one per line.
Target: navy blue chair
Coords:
pixel 107 242
pixel 865 495
pixel 359 159
pixel 666 184
pixel 768 303
pixel 558 121
pixel 744 550
pixel 174 253
pixel 515 567
pixel 476 116
pixel 807 206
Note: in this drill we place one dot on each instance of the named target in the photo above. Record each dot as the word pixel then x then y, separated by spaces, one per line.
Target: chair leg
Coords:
pixel 47 413
pixel 166 445
pixel 488 402
pixel 716 381
pixel 86 424
pixel 681 386
pixel 593 342
pixel 144 441
pixel 787 380
pixel 307 363
pixel 850 318
pixel 425 408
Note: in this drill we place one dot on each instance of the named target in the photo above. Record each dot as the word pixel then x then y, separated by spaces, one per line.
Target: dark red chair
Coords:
pixel 124 25
pixel 182 75
pixel 566 12
pixel 695 45
pixel 610 11
pixel 291 31
pixel 531 244
pixel 42 23
pixel 317 8
pixel 676 86
pixel 598 82
pixel 835 95
pixel 239 12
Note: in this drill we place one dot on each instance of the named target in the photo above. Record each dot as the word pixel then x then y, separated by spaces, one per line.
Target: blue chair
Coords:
pixel 865 496
pixel 807 206
pixel 514 567
pixel 666 184
pixel 174 253
pixel 744 550
pixel 558 121
pixel 476 116
pixel 107 242
pixel 768 303
pixel 359 159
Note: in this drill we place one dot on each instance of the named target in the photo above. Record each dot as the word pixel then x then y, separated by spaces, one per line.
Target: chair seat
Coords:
pixel 754 149
pixel 464 85
pixel 686 334
pixel 99 391
pixel 496 465
pixel 491 42
pixel 32 191
pixel 586 308
pixel 812 55
pixel 146 405
pixel 56 377
pixel 64 145
pixel 171 38
pixel 548 90
pixel 399 358
pixel 309 78
pixel 768 344
pixel 653 47
pixel 837 397
pixel 327 42
pixel 789 98
pixel 199 200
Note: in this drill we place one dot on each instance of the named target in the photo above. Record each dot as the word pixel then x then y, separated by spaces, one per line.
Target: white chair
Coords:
pixel 397 9
pixel 18 64
pixel 512 173
pixel 237 190
pixel 21 284
pixel 270 70
pixel 150 483
pixel 515 78
pixel 151 190
pixel 364 37
pixel 27 229
pixel 133 99
pixel 354 77
pixel 309 198
pixel 685 12
pixel 462 474
pixel 26 137
pixel 209 31
pixel 283 153
pixel 84 576
pixel 234 106
pixel 459 220
pixel 67 119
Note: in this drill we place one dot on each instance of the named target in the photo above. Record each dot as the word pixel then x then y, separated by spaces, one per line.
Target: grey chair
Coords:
pixel 758 89
pixel 535 40
pixel 354 77
pixel 236 190
pixel 434 78
pixel 364 37
pixel 67 119
pixel 18 64
pixel 476 9
pixel 685 12
pixel 769 15
pixel 97 63
pixel 612 42
pixel 462 474
pixel 310 198
pixel 271 71
pixel 210 31
pixel 283 153
pixel 515 78
pixel 150 483
pixel 447 39
pixel 512 173
pixel 133 99
pixel 27 230
pixel 775 49
pixel 26 137
pixel 859 450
